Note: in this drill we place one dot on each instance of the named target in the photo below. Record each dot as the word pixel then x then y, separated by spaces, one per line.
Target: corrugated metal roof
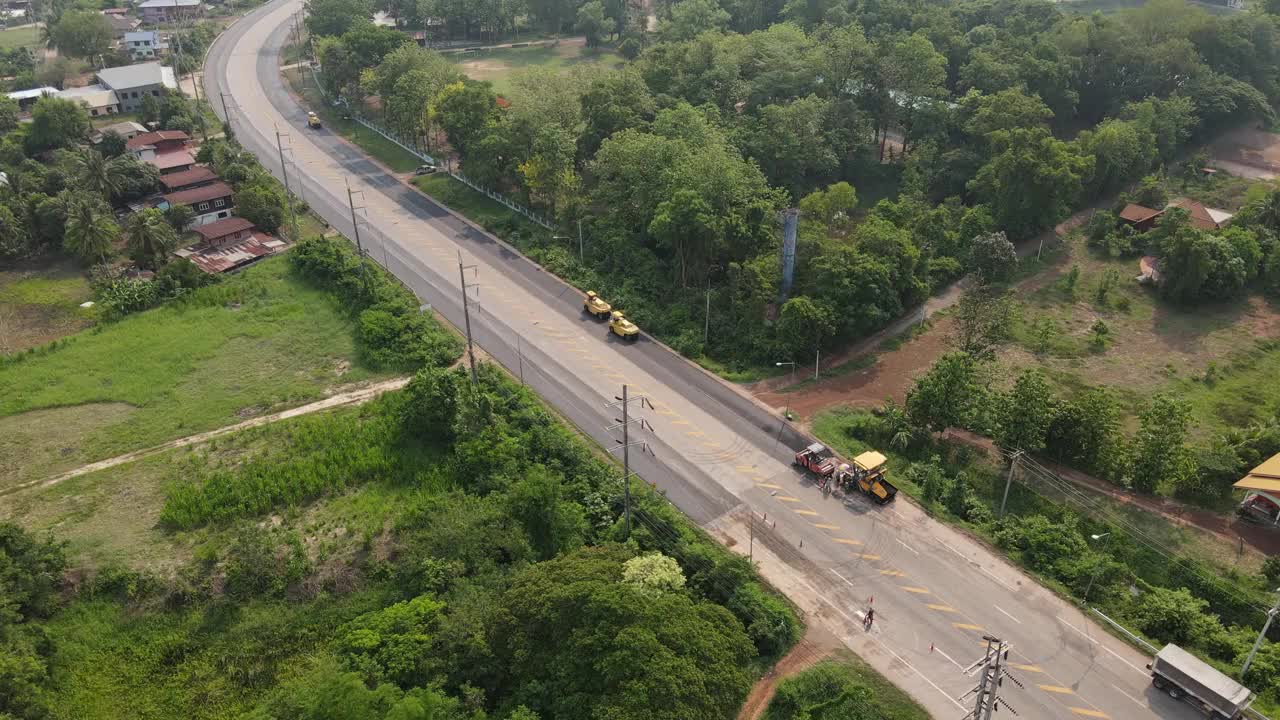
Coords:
pixel 200 194
pixel 223 227
pixel 179 180
pixel 1138 213
pixel 132 76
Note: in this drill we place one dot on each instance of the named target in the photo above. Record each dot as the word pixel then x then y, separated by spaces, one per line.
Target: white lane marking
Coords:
pixel 1141 672
pixel 917 552
pixel 1134 699
pixel 1003 584
pixel 1073 627
pixel 886 648
pixel 1006 614
pixel 845 579
pixel 953 662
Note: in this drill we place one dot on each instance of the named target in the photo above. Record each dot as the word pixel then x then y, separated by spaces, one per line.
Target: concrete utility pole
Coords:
pixel 991 676
pixel 355 225
pixel 466 315
pixel 225 112
pixel 1271 615
pixel 1008 479
pixel 288 193
pixel 625 443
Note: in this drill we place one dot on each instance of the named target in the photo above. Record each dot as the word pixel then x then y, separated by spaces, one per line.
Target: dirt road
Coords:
pixel 351 397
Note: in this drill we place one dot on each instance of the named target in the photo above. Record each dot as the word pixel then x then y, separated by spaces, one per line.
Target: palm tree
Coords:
pixel 1269 210
pixel 150 238
pixel 99 174
pixel 89 231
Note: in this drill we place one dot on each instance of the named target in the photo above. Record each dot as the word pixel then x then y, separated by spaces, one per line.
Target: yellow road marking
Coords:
pixel 710 445
pixel 966 626
pixel 665 411
pixel 870 557
pixel 788 498
pixel 679 422
pixel 696 433
pixel 1089 713
pixel 1026 668
pixel 1057 689
pixel 806 512
pixel 743 468
pixel 847 541
pixel 940 608
pixel 918 590
pixel 826 527
pixel 771 487
pixel 892 573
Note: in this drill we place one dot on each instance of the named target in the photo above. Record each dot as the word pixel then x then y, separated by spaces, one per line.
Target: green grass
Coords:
pixel 19 37
pixel 497 66
pixel 389 153
pixel 40 303
pixel 259 341
pixel 476 207
pixel 818 693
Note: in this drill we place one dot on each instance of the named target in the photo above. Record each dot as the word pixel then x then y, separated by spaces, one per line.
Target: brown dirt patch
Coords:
pixel 1248 152
pixel 816 645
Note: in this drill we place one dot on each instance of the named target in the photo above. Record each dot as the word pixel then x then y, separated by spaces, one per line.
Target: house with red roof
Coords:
pixel 210 203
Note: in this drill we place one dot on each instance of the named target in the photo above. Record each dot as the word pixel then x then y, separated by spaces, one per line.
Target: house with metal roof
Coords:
pixel 145 44
pixel 131 83
pixel 27 98
pixel 210 203
pixel 167 11
pixel 98 100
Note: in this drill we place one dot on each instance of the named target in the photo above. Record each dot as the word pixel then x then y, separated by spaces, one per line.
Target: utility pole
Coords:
pixel 466 315
pixel 991 676
pixel 706 327
pixel 1271 614
pixel 1008 479
pixel 625 443
pixel 580 252
pixel 288 193
pixel 226 113
pixel 355 225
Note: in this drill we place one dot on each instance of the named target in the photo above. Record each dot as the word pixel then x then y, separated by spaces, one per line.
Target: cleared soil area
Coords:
pixel 497 65
pixel 39 303
pixel 1248 152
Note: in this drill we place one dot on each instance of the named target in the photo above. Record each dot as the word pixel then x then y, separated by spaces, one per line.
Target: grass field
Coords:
pixel 260 340
pixel 497 66
pixel 828 690
pixel 40 302
pixel 19 37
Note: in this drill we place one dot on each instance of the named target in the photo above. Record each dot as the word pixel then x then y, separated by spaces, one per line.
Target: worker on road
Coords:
pixel 868 619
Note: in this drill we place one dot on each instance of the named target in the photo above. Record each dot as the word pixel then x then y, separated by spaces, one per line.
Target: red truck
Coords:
pixel 817 459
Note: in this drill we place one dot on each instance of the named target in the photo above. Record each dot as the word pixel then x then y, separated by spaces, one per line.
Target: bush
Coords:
pixel 256 566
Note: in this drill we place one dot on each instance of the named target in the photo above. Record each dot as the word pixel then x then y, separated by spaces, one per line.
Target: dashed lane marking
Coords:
pixel 892 573
pixel 695 433
pixel 788 498
pixel 940 608
pixel 1089 713
pixel 743 468
pixel 1026 668
pixel 966 626
pixel 809 513
pixel 1057 689
pixel 679 422
pixel 710 445
pixel 826 527
pixel 869 557
pixel 847 541
pixel 770 486
pixel 913 589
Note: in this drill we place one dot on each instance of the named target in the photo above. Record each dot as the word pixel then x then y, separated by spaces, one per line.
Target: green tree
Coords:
pixel 465 112
pixel 1026 413
pixel 82 34
pixel 691 18
pixel 1085 433
pixel 179 217
pixel 8 115
pixel 592 22
pixel 150 238
pixel 90 230
pixel 803 325
pixel 832 207
pixel 992 257
pixel 944 396
pixel 261 205
pixel 335 17
pixel 1008 109
pixel 555 523
pixel 1032 180
pixel 1121 150
pixel 15 242
pixel 393 644
pixel 791 144
pixel 654 573
pixel 431 404
pixel 1160 454
pixel 98 174
pixel 982 320
pixel 612 103
pixel 56 123
pixel 112 144
pixel 369 43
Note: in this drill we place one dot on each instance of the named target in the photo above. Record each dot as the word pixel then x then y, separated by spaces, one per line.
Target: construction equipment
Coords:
pixel 867 474
pixel 622 327
pixel 596 305
pixel 817 459
pixel 1187 677
pixel 313 120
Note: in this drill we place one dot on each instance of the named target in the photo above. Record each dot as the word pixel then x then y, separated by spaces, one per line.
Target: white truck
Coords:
pixel 1187 677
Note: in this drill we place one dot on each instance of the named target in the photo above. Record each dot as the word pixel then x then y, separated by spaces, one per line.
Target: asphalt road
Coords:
pixel 716 453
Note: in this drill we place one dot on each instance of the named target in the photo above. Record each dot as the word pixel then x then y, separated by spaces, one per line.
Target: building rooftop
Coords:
pixel 31 93
pixel 151 138
pixel 168 3
pixel 126 128
pixel 132 76
pixel 200 194
pixel 172 159
pixel 142 36
pixel 221 258
pixel 223 227
pixel 1138 213
pixel 94 96
pixel 196 175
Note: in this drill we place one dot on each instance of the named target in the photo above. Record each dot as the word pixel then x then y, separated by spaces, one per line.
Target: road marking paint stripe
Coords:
pixel 892 573
pixel 788 498
pixel 1026 668
pixel 806 512
pixel 826 527
pixel 870 557
pixel 1057 689
pixel 743 468
pixel 966 626
pixel 1007 614
pixel 917 552
pixel 665 411
pixel 710 445
pixel 1089 713
pixel 771 487
pixel 847 541
pixel 913 589
pixel 1134 699
pixel 1126 662
pixel 695 433
pixel 679 422
pixel 940 608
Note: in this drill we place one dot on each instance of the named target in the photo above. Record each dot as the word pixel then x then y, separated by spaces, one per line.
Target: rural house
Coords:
pixel 210 203
pixel 131 83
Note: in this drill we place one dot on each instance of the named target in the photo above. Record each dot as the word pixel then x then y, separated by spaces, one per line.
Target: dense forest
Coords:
pixel 902 130
pixel 498 578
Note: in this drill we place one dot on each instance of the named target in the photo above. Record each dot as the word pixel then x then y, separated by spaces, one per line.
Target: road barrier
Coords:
pixel 1125 631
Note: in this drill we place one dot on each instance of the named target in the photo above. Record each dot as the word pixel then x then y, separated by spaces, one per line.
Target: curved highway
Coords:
pixel 714 452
